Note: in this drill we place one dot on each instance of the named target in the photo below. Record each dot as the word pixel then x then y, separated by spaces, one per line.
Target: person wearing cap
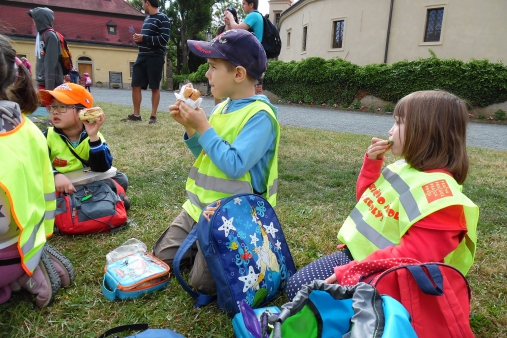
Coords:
pixel 222 29
pixel 253 22
pixel 236 150
pixel 74 144
pixel 48 72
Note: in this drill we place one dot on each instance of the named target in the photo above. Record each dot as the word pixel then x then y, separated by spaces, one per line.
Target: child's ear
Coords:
pixel 241 74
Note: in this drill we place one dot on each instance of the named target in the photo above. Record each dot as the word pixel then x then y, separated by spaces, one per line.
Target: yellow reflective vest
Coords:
pixel 400 197
pixel 27 179
pixel 206 183
pixel 61 157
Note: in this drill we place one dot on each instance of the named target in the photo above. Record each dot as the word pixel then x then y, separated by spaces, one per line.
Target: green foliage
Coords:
pixel 200 74
pixel 482 117
pixel 185 70
pixel 356 105
pixel 500 115
pixel 345 105
pixel 479 82
pixel 389 107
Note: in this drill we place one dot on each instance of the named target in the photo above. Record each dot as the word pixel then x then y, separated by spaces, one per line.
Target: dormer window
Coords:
pixel 111 28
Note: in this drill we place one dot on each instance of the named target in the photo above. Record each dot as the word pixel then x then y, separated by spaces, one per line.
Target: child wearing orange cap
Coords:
pixel 74 144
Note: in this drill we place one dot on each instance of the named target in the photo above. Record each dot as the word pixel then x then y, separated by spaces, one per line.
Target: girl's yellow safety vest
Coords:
pixel 206 183
pixel 31 193
pixel 400 197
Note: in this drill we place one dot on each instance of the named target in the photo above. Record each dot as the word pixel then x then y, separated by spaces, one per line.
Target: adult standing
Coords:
pixel 253 22
pixel 148 68
pixel 48 72
pixel 74 75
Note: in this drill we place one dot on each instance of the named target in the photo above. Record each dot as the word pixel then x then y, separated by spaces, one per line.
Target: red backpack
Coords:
pixel 94 207
pixel 436 295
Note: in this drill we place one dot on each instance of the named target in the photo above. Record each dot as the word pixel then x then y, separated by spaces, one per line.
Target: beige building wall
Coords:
pixel 103 59
pixel 471 29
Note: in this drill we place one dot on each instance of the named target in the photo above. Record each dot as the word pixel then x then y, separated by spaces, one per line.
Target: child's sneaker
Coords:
pixel 132 117
pixel 44 282
pixel 153 120
pixel 62 265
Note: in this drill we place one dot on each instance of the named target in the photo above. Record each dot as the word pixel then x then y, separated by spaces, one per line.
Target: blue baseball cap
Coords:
pixel 238 46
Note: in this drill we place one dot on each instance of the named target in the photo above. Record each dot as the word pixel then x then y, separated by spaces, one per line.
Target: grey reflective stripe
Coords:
pixel 367 231
pixel 211 183
pixel 50 197
pixel 49 214
pixel 32 262
pixel 406 198
pixel 195 200
pixel 273 189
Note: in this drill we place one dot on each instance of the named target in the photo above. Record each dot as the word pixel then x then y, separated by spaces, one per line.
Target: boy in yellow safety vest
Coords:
pixel 236 150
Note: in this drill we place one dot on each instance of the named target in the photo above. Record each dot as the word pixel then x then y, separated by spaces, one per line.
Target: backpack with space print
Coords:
pixel 246 252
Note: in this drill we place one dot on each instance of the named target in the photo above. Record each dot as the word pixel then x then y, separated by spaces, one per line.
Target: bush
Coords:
pixel 500 115
pixel 389 107
pixel 317 80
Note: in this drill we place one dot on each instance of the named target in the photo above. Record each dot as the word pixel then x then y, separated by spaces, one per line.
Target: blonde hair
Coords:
pixel 435 132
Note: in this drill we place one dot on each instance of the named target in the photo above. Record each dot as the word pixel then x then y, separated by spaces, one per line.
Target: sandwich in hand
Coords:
pixel 90 114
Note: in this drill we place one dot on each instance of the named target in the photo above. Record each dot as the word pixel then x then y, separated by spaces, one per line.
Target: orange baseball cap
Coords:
pixel 67 93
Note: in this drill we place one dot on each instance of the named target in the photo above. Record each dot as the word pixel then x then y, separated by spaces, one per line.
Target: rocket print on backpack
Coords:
pixel 243 244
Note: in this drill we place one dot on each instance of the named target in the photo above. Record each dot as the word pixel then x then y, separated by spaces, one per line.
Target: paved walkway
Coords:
pixel 480 135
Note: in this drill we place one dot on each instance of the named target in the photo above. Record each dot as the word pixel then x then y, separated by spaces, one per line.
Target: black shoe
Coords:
pixel 132 117
pixel 153 119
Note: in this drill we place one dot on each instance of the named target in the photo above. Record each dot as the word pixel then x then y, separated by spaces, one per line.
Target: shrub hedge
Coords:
pixel 317 80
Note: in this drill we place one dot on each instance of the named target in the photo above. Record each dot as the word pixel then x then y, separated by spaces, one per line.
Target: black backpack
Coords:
pixel 270 39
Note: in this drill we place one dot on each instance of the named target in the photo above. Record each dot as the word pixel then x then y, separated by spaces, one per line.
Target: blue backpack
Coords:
pixel 322 310
pixel 246 252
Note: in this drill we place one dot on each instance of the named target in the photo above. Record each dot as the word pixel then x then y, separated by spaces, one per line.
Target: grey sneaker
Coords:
pixel 62 265
pixel 44 282
pixel 132 117
pixel 153 119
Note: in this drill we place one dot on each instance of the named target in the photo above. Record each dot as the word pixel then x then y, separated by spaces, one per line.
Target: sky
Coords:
pixel 263 6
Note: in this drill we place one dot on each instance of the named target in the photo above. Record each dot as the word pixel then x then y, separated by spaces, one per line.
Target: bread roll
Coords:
pixel 189 92
pixel 90 114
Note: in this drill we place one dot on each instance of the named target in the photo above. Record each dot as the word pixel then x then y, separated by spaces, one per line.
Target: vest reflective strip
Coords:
pixel 367 231
pixel 195 200
pixel 273 189
pixel 50 197
pixel 32 263
pixel 402 188
pixel 219 184
pixel 49 215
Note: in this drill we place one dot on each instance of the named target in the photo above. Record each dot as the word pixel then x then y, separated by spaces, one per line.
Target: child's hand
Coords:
pixel 377 149
pixel 93 128
pixel 331 279
pixel 174 110
pixel 194 118
pixel 63 184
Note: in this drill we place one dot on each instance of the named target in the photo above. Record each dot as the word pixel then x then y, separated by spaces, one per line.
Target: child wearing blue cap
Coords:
pixel 236 150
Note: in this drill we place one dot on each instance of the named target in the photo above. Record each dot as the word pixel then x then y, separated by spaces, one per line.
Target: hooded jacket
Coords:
pixel 48 71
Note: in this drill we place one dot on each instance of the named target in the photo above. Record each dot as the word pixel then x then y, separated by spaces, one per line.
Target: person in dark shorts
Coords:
pixel 148 68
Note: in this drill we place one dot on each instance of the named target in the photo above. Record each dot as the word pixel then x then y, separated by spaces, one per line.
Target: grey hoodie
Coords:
pixel 48 71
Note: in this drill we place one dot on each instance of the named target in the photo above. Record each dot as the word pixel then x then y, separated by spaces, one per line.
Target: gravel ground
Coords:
pixel 482 135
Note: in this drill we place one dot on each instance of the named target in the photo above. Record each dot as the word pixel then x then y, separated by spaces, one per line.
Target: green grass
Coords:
pixel 318 170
